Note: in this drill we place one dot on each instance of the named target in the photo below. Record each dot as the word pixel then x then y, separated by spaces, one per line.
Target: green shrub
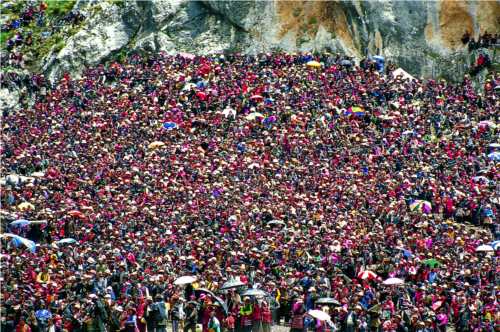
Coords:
pixel 59 7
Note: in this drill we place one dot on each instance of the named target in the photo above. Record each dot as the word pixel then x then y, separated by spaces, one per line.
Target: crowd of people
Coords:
pixel 23 29
pixel 486 40
pixel 280 188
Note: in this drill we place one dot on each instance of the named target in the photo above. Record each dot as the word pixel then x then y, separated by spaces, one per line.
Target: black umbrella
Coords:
pixel 217 299
pixel 327 300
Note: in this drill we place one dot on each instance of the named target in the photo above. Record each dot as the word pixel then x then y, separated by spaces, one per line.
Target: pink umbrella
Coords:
pixel 187 55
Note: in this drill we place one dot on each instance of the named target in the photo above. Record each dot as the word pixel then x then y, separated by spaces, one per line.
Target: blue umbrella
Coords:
pixel 169 125
pixel 66 240
pixel 254 292
pixel 495 156
pixel 20 223
pixel 18 240
pixel 43 314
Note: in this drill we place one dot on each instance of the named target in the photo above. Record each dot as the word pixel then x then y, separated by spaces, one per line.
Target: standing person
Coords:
pixel 213 323
pixel 159 314
pixel 131 321
pixel 230 323
pixel 266 317
pixel 246 312
pixel 298 310
pixel 191 317
pixel 177 314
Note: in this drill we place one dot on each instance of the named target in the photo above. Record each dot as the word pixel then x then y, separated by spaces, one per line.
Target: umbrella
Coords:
pixel 66 240
pixel 494 145
pixel 188 56
pixel 402 73
pixel 155 145
pixel 314 64
pixel 254 115
pixel 232 284
pixel 436 305
pixel 421 206
pixel 484 248
pixel 432 262
pixel 481 178
pixel 184 280
pixel 169 126
pixel 217 299
pixel 364 275
pixel 487 123
pixel 254 292
pixel 26 206
pixel 277 222
pixel 319 315
pixel 495 245
pixel 188 86
pixel 358 111
pixel 393 281
pixel 327 300
pixel 43 314
pixel 229 111
pixel 495 156
pixel 256 97
pixel 76 214
pixel 18 240
pixel 20 222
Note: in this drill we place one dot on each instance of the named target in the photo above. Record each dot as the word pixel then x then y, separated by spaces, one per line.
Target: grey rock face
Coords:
pixel 423 37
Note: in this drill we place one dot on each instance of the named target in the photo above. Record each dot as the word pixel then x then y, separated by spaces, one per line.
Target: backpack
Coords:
pixel 159 312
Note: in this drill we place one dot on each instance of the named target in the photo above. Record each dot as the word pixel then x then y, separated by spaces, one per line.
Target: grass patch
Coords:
pixel 313 21
pixel 13 9
pixel 119 3
pixel 4 36
pixel 59 7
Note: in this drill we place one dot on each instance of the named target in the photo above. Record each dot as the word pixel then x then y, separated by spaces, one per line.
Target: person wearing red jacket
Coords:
pixel 266 317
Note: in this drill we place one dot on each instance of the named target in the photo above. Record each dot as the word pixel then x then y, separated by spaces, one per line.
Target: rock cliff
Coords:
pixel 423 37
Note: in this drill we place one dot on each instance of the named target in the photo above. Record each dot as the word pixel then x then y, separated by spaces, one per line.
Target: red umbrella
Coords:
pixel 256 97
pixel 364 275
pixel 76 214
pixel 201 95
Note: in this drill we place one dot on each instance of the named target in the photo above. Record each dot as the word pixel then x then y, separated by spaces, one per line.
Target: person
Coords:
pixel 246 314
pixel 213 323
pixel 298 311
pixel 177 313
pixel 230 323
pixel 159 314
pixel 266 317
pixel 191 317
pixel 267 171
pixel 130 321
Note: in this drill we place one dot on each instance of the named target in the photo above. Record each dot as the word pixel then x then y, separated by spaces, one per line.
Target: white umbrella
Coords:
pixel 184 280
pixel 254 115
pixel 318 314
pixel 393 281
pixel 401 72
pixel 484 247
pixel 228 111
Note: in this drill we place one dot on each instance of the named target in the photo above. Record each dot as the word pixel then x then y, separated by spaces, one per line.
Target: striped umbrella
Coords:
pixel 367 275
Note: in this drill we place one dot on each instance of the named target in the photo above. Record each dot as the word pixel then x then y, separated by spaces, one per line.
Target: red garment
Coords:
pixel 266 315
